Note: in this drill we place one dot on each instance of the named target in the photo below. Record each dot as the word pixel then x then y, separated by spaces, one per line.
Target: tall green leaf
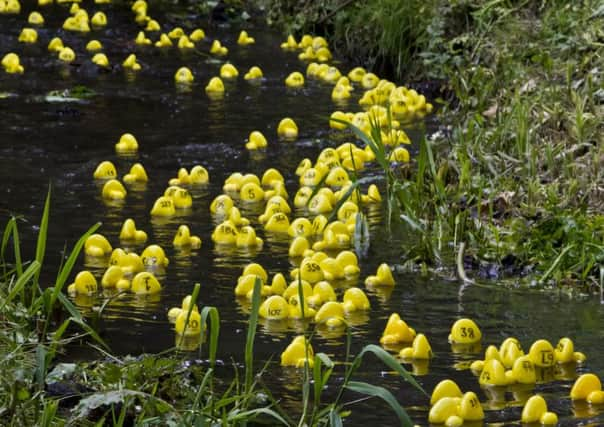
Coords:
pixel 385 395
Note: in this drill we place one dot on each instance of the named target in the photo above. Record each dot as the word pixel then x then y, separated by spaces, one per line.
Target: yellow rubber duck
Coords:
pixel 215 86
pixel 101 60
pixel 323 54
pixel 337 177
pixel 183 238
pixel 565 352
pixel 320 204
pixel 290 43
pixel 303 166
pixel 312 177
pixel 535 411
pixel 244 39
pixel 340 93
pixel 164 41
pixel 454 411
pixel 235 217
pixel 97 245
pixel 300 310
pixel 445 388
pixel 493 373
pixel 28 35
pixel 199 175
pixel 523 371
pixel 183 76
pixel 218 49
pixel 246 238
pixel 588 387
pixel 105 170
pixel 295 80
pixel 322 293
pixel 349 210
pixel 11 64
pixel 84 284
pixel 254 73
pixel 197 35
pixel 10 7
pixel 270 177
pixel 225 234
pixel 163 206
pixel 287 129
pixel 99 19
pixel 465 331
pixel 383 277
pixel 251 193
pixel 369 81
pixel 182 198
pixel 331 314
pixel 55 45
pixel 114 278
pixel 221 205
pixel 129 233
pixel 277 223
pixel 356 74
pixel 298 247
pixel 420 349
pixel 153 25
pixel 141 39
pixel 67 55
pixel 77 23
pixel 278 284
pixel 300 227
pixel 373 195
pixel 541 354
pixel 310 270
pixel 399 155
pixel 245 285
pixel 154 256
pixel 176 33
pixel 145 283
pixel 256 269
pixel 185 43
pixel 256 141
pixel 274 308
pixel 190 327
pixel 228 71
pixel 185 305
pixel 298 353
pixel 92 46
pixel 355 300
pixel 297 286
pixel 114 190
pixel 397 331
pixel 127 144
pixel 130 263
pixel 510 350
pixel 130 63
pixel 137 174
pixel 44 2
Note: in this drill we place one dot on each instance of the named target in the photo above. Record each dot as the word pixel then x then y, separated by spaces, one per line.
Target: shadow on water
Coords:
pixel 45 141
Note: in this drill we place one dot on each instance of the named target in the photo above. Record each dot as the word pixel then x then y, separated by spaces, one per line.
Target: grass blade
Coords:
pixel 31 271
pixel 212 313
pixel 385 395
pixel 42 234
pixel 251 335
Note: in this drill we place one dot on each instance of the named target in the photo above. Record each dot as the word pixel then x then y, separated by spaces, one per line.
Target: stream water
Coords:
pixel 44 141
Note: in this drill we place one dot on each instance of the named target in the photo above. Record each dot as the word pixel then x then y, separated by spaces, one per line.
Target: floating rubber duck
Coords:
pixel 183 238
pixel 99 19
pixel 300 227
pixel 340 93
pixel 185 43
pixel 183 76
pixel 28 35
pixel 235 217
pixel 445 388
pixel 245 285
pixel 541 354
pixel 129 233
pixel 270 177
pixel 114 190
pixel 189 327
pixel 490 353
pixel 114 278
pixel 130 263
pixel 215 86
pixel 565 352
pixel 153 25
pixel 101 60
pixel 154 256
pixel 84 284
pixel 44 2
pixel 176 33
pixel 77 23
pixel 197 35
pixel 298 353
pixel 287 129
pixel 322 293
pixel 454 411
pixel 97 245
pixel 67 55
pixel 493 373
pixel 255 141
pixel 164 41
pixel 290 43
pixel 163 206
pixel 254 73
pixel 355 300
pixel 198 175
pixel 277 223
pixel 295 80
pixel 509 351
pixel 535 411
pixel 93 46
pixel 274 308
pixel 297 286
pixel 319 204
pixel 523 371
pixel 141 39
pixel 137 174
pixel 331 314
pixel 218 49
pixel 55 45
pixel 221 205
pixel 244 39
pixel 300 309
pixel 298 247
pixel 312 177
pixel 225 233
pixel 251 192
pixel 105 170
pixel 348 210
pixel 588 387
pixel 228 71
pixel 397 331
pixel 465 331
pixel 182 198
pixel 10 7
pixel 420 349
pixel 246 238
pixel 383 277
pixel 175 311
pixel 130 63
pixel 127 144
pixel 145 283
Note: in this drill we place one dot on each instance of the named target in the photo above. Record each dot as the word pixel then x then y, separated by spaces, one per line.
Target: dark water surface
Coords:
pixel 62 142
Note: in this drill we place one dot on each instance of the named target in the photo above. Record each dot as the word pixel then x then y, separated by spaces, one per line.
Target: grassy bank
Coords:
pixel 512 185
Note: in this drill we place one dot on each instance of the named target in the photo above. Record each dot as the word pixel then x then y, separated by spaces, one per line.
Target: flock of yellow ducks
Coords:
pixel 320 247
